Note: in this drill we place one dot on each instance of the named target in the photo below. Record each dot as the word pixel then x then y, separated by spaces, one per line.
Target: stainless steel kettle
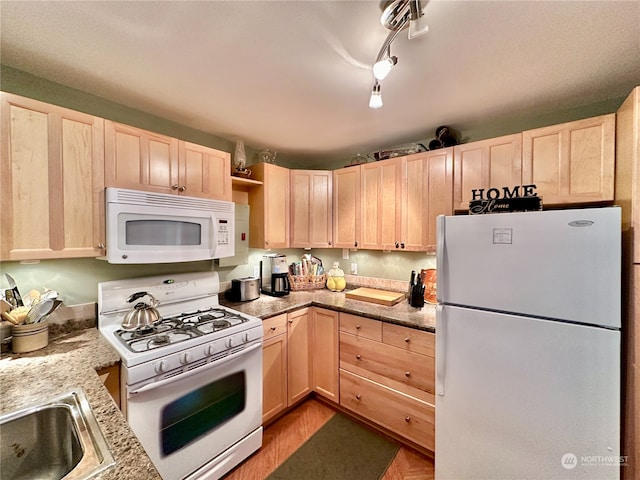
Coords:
pixel 143 314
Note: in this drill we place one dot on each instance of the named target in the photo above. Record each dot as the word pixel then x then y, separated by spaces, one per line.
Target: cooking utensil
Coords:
pixel 39 311
pixel 10 299
pixel 14 287
pixel 142 315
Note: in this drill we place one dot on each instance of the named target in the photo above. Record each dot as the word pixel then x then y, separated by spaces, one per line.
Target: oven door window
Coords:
pixel 199 412
pixel 162 232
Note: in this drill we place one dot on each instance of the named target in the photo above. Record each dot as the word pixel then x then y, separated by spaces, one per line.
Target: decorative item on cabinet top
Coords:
pixel 240 161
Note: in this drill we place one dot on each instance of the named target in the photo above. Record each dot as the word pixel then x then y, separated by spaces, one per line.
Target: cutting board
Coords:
pixel 373 295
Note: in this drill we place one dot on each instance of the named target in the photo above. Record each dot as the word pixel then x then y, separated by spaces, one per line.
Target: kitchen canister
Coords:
pixel 30 337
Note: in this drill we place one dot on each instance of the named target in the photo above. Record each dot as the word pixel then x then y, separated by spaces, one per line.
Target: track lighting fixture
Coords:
pixel 376 97
pixel 396 16
pixel 382 67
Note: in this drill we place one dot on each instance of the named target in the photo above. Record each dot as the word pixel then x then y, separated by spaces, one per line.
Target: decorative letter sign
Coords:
pixel 521 198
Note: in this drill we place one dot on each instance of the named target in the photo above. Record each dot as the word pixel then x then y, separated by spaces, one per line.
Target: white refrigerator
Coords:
pixel 528 345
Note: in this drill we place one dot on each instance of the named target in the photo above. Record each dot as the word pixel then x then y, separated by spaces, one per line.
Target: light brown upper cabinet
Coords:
pixel 143 160
pixel 346 207
pixel 52 181
pixel 269 219
pixel 572 162
pixel 204 171
pixel 492 163
pixel 428 193
pixel 311 208
pixel 381 188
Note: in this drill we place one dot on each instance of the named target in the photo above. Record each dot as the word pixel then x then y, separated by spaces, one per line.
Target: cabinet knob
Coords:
pixel 273 328
pixel 397 245
pixel 329 242
pixel 101 246
pixel 402 245
pixel 357 327
pixel 355 244
pixel 174 187
pixel 290 321
pixel 407 374
pixel 358 357
pixel 407 339
pixel 358 396
pixel 407 419
pixel 182 189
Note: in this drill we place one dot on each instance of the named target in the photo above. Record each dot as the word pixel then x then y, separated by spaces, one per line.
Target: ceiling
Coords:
pixel 295 76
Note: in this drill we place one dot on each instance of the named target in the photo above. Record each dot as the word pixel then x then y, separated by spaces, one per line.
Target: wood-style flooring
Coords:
pixel 284 436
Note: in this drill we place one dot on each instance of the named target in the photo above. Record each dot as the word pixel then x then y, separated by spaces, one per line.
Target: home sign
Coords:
pixel 520 198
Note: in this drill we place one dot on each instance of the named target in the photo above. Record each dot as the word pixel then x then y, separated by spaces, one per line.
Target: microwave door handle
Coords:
pixel 152 386
pixel 213 235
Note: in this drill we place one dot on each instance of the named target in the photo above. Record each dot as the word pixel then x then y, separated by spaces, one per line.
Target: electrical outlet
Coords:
pixel 256 271
pixel 345 254
pixel 354 269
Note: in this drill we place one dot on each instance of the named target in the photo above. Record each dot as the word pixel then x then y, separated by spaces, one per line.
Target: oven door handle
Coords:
pixel 152 386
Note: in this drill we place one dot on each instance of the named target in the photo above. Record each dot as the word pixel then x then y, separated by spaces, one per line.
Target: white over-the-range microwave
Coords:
pixel 147 227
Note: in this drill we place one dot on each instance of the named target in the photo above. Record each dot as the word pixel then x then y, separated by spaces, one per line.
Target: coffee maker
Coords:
pixel 276 281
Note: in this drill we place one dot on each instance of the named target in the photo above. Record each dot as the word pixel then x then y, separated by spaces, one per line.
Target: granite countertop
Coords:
pixel 69 362
pixel 401 314
pixel 72 357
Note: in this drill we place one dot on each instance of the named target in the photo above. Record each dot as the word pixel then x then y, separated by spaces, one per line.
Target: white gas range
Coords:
pixel 192 383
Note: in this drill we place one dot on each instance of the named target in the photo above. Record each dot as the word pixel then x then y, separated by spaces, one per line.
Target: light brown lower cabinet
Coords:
pixel 387 375
pixel 298 355
pixel 110 377
pixel 274 366
pixel 324 351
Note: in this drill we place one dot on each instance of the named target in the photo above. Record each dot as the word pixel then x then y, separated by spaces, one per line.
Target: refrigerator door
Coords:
pixel 562 264
pixel 525 398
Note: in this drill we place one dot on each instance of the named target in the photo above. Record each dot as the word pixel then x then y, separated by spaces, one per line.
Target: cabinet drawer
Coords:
pixel 396 368
pixel 406 416
pixel 274 326
pixel 361 327
pixel 409 339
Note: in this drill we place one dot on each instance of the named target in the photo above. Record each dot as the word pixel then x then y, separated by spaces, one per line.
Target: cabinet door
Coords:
pixel 298 355
pixel 429 193
pixel 381 188
pixel 325 361
pixel 572 162
pixel 346 207
pixel 492 163
pixel 311 208
pixel 274 376
pixel 141 160
pixel 204 172
pixel 269 220
pixel 52 181
pixel 627 187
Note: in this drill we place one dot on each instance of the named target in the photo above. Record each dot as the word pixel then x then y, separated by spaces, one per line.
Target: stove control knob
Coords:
pixel 186 357
pixel 162 366
pixel 245 337
pixel 229 342
pixel 210 350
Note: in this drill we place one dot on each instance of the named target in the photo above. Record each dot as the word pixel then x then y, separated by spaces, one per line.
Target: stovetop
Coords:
pixel 179 328
pixel 195 327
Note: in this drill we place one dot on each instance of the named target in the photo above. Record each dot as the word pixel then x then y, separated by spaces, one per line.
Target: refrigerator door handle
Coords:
pixel 441 352
pixel 440 254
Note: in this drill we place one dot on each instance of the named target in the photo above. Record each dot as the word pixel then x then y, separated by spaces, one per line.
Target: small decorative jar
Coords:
pixel 335 278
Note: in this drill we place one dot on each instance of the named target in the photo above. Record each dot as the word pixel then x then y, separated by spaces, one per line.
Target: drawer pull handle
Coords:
pixel 290 321
pixel 407 339
pixel 407 419
pixel 358 397
pixel 357 327
pixel 358 356
pixel 407 374
pixel 273 328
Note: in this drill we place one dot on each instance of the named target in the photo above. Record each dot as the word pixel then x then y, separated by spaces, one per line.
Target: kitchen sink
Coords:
pixel 57 439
